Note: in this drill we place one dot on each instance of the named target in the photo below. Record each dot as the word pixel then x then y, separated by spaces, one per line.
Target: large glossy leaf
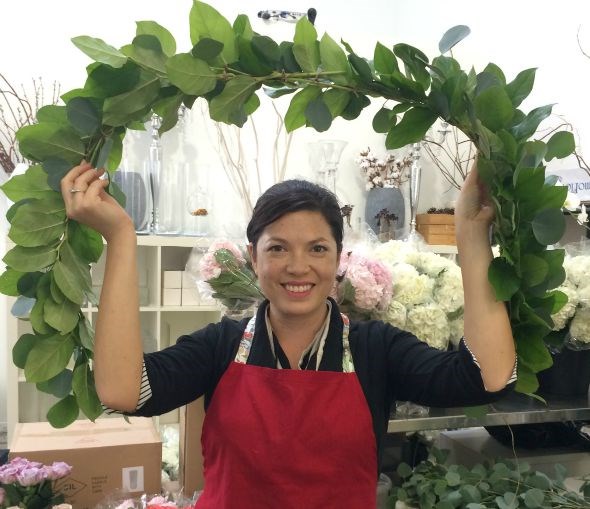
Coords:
pixel 362 67
pixel 64 412
pixel 100 51
pixel 165 38
pixel 414 62
pixel 191 75
pixel 295 116
pixel 205 21
pixel 318 114
pixel 21 349
pixel 306 48
pixel 72 275
pixel 52 113
pixel 32 226
pixel 288 61
pixel 534 269
pixel 333 60
pixel 207 49
pixel 85 392
pixel 527 127
pixel 411 129
pixel 526 381
pixel 48 357
pixel 494 108
pixel 62 316
pixel 503 278
pixel 232 99
pixel 520 88
pixel 535 352
pixel 560 145
pixel 42 141
pixel 355 106
pixel 55 169
pixel 8 282
pixel 452 37
pixel 123 108
pixel 85 242
pixel 384 60
pixel 105 81
pixel 146 51
pixel 84 116
pixel 383 120
pixel 32 184
pixel 548 226
pixel 266 50
pixel 336 100
pixel 59 386
pixel 86 334
pixel 30 259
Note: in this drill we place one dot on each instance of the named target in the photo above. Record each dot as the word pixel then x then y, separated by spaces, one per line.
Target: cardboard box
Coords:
pixel 190 297
pixel 437 229
pixel 172 279
pixel 191 453
pixel 106 456
pixel 171 297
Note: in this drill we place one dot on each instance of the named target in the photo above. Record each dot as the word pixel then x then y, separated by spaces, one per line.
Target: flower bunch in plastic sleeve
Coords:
pixel 573 319
pixel 227 271
pixel 30 484
pixel 427 294
pixel 363 285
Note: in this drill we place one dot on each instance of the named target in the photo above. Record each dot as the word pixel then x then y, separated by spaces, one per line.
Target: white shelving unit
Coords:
pixel 161 325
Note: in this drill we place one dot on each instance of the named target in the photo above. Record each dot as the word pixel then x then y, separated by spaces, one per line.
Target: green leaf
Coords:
pixel 266 50
pixel 52 113
pixel 548 226
pixel 59 386
pixel 146 51
pixel 503 278
pixel 526 381
pixel 251 104
pixel 56 170
pixel 414 63
pixel 453 36
pixel 21 349
pixel 494 70
pixel 115 191
pixel 453 478
pixel 384 60
pixel 42 141
pixel 30 259
pixel 85 392
pixel 383 120
pixel 527 127
pixel 519 89
pixel 72 275
pixel 132 105
pixel 104 153
pixel 48 357
pixel 560 145
pixel 305 48
pixel 22 307
pixel 86 333
pixel 100 51
pixel 62 316
pixel 207 49
pixel 476 412
pixel 32 228
pixel 84 116
pixel 295 116
pixel 64 412
pixel 288 61
pixel 355 106
pixel 27 284
pixel 8 282
pixel 333 59
pixel 411 129
pixel 116 152
pixel 86 242
pixel 232 99
pixel 205 21
pixel 191 75
pixel 336 100
pixel 362 67
pixel 534 269
pixel 33 184
pixel 533 353
pixel 534 498
pixel 166 39
pixel 318 114
pixel 494 108
pixel 105 81
pixel 404 470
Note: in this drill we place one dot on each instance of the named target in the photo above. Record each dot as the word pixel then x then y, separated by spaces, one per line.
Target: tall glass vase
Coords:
pixel 413 236
pixel 324 156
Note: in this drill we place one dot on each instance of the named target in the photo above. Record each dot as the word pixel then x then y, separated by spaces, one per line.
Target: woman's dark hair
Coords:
pixel 293 196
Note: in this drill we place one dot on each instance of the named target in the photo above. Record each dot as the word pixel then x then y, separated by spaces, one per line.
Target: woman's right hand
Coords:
pixel 88 203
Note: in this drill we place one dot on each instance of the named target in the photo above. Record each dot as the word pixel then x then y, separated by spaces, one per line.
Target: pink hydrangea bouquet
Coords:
pixel 363 285
pixel 30 484
pixel 228 271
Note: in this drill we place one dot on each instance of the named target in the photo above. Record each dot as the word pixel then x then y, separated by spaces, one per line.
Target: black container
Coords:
pixel 569 375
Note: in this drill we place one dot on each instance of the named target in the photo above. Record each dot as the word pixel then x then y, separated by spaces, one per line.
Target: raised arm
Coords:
pixel 118 352
pixel 487 327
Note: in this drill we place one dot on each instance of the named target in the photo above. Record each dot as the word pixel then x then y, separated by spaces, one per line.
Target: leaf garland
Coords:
pixel 48 268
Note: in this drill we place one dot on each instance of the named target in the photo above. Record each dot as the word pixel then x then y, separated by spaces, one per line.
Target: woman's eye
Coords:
pixel 276 248
pixel 319 249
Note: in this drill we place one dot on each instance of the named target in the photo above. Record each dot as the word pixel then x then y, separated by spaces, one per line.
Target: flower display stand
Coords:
pixel 437 229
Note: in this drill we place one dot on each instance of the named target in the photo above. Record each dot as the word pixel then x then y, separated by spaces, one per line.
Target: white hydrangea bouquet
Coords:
pixel 575 315
pixel 427 297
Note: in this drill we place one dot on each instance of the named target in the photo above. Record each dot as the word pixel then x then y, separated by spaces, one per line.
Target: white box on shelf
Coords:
pixel 190 297
pixel 172 279
pixel 188 280
pixel 171 297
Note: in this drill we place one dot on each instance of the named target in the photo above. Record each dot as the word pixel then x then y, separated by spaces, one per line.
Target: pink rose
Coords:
pixel 58 470
pixel 209 267
pixel 31 476
pixel 8 473
pixel 230 246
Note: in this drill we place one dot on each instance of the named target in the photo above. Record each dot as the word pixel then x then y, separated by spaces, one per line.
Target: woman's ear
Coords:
pixel 252 254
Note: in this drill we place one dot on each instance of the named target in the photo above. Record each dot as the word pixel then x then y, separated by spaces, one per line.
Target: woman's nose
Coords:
pixel 297 263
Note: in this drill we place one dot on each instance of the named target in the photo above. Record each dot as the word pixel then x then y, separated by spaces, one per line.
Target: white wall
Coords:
pixel 34 38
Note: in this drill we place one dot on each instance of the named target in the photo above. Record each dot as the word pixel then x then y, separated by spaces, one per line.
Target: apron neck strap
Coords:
pixel 248 336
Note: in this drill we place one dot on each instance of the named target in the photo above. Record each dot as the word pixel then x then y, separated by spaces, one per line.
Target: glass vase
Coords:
pixel 135 184
pixel 324 156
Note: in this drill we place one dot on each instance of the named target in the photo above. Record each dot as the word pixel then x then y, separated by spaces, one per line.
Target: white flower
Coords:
pixel 572 202
pixel 448 292
pixel 429 323
pixel 582 216
pixel 392 252
pixel 395 314
pixel 580 325
pixel 410 287
pixel 577 269
pixel 428 263
pixel 584 296
pixel 456 330
pixel 562 317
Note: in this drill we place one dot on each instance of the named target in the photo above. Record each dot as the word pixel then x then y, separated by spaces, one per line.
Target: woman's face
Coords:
pixel 296 260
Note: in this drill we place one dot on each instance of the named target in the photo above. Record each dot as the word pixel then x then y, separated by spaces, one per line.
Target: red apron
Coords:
pixel 288 439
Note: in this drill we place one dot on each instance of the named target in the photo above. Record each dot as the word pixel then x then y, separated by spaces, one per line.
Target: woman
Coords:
pixel 292 438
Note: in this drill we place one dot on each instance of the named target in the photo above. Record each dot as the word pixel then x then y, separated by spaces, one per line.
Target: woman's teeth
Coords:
pixel 298 288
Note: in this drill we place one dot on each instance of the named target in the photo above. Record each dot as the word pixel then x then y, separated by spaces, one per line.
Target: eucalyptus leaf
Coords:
pixel 85 392
pixel 191 75
pixel 336 100
pixel 526 381
pixel 205 21
pixel 355 106
pixel 534 269
pixel 383 120
pixel 452 37
pixel 384 60
pixel 48 357
pixel 64 412
pixel 104 153
pixel 100 51
pixel 59 386
pixel 165 38
pixel 362 68
pixel 535 352
pixel 548 226
pixel 527 127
